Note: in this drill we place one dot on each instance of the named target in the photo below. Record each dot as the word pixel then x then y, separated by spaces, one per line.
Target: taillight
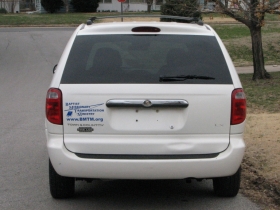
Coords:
pixel 145 29
pixel 238 106
pixel 54 106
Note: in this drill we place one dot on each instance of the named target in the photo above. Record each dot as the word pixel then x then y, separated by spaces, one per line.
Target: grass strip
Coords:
pixel 47 19
pixel 262 96
pixel 23 19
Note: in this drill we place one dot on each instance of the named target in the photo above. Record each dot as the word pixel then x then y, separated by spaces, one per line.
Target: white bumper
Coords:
pixel 68 164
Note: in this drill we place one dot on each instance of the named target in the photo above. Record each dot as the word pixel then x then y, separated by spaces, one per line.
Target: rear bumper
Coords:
pixel 68 164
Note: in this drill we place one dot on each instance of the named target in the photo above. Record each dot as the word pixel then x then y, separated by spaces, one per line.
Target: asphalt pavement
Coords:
pixel 27 57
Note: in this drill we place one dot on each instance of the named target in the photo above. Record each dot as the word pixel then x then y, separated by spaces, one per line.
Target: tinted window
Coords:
pixel 144 58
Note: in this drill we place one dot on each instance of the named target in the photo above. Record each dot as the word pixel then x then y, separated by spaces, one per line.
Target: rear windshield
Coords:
pixel 142 59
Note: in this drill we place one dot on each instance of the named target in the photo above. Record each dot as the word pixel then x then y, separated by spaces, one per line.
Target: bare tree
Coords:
pixel 251 13
pixel 66 4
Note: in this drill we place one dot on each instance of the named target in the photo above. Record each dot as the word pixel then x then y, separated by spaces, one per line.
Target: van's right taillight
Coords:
pixel 238 107
pixel 54 106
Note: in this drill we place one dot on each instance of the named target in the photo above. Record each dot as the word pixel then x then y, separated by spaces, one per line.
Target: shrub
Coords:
pixel 85 5
pixel 185 8
pixel 52 6
pixel 3 10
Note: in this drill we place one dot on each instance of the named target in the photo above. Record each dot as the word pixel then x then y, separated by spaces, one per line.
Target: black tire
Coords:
pixel 60 186
pixel 227 186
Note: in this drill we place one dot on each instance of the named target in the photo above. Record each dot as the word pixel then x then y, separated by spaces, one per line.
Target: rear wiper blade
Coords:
pixel 165 78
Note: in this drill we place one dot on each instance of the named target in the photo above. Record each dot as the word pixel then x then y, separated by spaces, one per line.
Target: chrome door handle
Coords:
pixel 178 103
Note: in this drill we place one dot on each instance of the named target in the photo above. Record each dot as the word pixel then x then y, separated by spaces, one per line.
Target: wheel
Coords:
pixel 227 186
pixel 60 186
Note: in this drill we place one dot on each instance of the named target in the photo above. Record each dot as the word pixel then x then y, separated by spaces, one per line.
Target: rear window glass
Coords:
pixel 137 59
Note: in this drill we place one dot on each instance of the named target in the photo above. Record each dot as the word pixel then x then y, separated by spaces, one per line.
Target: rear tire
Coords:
pixel 60 186
pixel 227 186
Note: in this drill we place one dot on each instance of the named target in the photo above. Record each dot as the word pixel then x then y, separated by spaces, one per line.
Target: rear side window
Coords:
pixel 142 59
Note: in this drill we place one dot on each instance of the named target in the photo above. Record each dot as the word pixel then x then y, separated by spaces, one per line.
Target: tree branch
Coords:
pixel 275 5
pixel 247 3
pixel 233 14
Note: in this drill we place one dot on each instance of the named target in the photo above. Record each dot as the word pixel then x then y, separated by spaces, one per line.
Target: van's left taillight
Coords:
pixel 54 106
pixel 238 106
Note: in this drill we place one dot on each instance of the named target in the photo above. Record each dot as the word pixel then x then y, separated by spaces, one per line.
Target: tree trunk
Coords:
pixel 226 3
pixel 66 3
pixel 258 59
pixel 149 7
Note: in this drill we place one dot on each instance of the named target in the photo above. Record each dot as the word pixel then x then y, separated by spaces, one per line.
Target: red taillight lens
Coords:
pixel 238 107
pixel 54 106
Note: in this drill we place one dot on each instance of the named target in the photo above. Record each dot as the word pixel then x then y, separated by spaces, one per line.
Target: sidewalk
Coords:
pixel 249 69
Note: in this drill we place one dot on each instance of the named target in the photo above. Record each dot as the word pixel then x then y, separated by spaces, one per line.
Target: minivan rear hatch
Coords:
pixel 146 94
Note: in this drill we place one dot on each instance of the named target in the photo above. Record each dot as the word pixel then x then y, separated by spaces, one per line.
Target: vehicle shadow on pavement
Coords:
pixel 148 194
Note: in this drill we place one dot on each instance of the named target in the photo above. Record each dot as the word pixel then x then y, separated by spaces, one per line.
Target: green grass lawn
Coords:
pixel 71 19
pixel 263 95
pixel 239 31
pixel 46 19
pixel 78 18
pixel 237 40
pixel 231 31
pixel 272 17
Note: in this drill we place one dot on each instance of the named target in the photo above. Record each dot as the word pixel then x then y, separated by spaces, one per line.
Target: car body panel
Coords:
pixel 86 107
pixel 69 164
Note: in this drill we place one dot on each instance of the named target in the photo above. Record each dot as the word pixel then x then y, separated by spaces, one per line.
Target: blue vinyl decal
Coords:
pixel 78 112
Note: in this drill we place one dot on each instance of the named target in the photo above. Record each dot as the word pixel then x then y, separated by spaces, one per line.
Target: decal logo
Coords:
pixel 85 125
pixel 78 112
pixel 78 108
pixel 85 129
pixel 84 119
pixel 69 114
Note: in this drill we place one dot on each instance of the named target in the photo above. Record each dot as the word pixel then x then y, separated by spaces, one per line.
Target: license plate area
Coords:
pixel 151 119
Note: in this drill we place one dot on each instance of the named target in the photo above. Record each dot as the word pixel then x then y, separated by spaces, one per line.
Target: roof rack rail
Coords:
pixel 163 18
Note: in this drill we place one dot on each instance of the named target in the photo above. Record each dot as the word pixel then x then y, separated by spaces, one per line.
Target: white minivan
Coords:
pixel 145 100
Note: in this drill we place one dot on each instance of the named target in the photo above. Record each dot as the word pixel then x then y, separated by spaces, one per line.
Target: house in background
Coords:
pixel 10 5
pixel 128 5
pixel 113 5
pixel 104 5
